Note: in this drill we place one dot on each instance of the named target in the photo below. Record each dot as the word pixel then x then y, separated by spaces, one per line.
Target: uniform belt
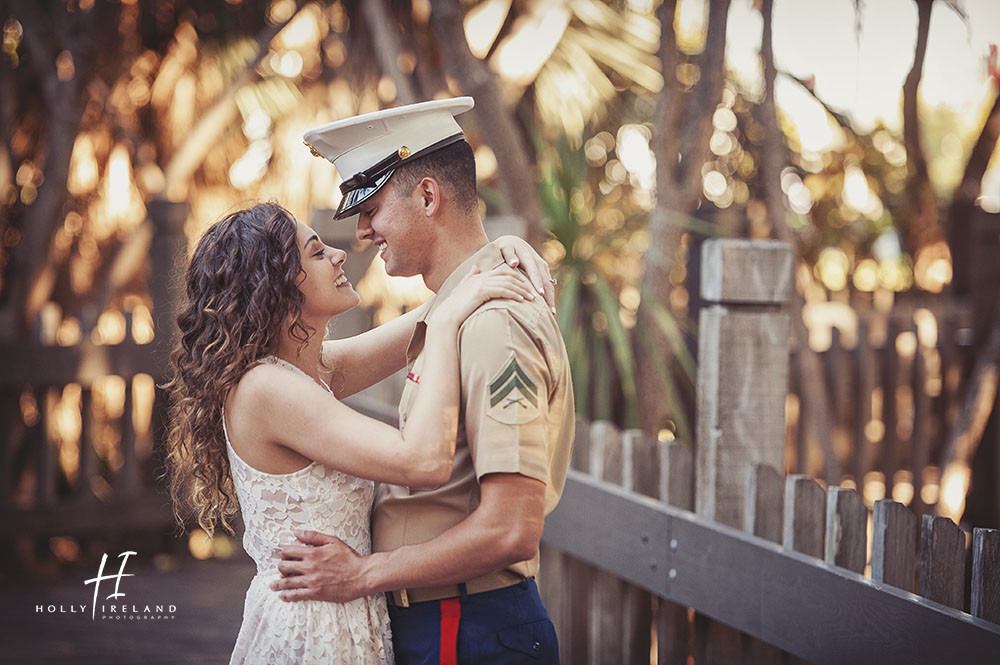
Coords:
pixel 488 582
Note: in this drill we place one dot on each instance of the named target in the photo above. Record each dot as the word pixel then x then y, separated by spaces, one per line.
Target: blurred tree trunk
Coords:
pixel 807 365
pixel 923 227
pixel 977 405
pixel 384 31
pixel 45 41
pixel 699 108
pixel 974 423
pixel 428 71
pixel 664 230
pixel 683 125
pixel 961 211
pixel 494 117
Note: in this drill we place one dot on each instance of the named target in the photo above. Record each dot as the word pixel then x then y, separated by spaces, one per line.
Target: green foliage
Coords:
pixel 600 355
pixel 600 270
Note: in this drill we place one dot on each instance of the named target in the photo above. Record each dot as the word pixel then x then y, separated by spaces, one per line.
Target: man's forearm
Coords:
pixel 464 552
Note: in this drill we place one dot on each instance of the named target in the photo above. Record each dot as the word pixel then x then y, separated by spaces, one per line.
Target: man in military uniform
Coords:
pixel 458 562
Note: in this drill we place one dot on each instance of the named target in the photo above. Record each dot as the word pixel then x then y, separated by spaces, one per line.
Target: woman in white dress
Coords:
pixel 261 288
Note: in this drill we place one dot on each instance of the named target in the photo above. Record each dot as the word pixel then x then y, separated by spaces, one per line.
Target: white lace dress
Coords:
pixel 317 498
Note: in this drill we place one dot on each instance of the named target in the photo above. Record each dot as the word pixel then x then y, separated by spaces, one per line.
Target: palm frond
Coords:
pixel 621 348
pixel 668 323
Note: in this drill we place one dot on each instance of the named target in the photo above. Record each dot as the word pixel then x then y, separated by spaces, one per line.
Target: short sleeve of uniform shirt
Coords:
pixel 505 392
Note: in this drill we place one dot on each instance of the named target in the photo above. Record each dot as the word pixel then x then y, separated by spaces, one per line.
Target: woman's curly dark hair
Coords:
pixel 242 285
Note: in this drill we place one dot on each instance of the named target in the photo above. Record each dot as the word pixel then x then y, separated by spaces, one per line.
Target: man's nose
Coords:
pixel 364 228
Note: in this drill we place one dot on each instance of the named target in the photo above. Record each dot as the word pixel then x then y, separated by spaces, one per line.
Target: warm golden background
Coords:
pixel 616 136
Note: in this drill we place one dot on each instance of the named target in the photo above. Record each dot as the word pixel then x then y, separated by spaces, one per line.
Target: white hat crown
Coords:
pixel 384 139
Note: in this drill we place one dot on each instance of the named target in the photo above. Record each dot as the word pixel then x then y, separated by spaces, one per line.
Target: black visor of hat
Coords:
pixel 353 199
pixel 362 186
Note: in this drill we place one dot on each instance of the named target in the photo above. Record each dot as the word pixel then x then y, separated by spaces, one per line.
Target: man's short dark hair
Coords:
pixel 454 167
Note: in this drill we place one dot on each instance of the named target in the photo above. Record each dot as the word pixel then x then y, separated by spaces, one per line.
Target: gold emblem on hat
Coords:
pixel 314 151
pixel 403 152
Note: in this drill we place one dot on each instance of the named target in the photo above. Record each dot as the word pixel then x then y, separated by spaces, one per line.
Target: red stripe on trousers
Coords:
pixel 451 612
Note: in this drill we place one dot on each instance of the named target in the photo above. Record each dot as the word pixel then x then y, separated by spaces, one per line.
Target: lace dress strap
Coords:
pixel 275 360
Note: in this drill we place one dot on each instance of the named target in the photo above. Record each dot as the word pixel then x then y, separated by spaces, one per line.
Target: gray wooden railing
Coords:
pixel 624 558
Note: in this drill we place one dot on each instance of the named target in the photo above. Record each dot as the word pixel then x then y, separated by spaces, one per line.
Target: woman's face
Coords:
pixel 325 289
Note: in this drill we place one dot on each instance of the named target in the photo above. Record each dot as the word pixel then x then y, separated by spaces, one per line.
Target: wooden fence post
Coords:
pixel 87 454
pixel 607 638
pixel 763 510
pixel 580 457
pixel 566 584
pixel 864 365
pixel 640 475
pixel 894 531
pixel 921 438
pixel 765 503
pixel 45 447
pixel 672 625
pixel 942 561
pixel 169 257
pixel 743 345
pixel 986 574
pixel 804 524
pixel 676 482
pixel 846 529
pixel 888 448
pixel 128 473
pixel 805 514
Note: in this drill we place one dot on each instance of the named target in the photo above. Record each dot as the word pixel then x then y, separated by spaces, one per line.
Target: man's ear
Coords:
pixel 430 196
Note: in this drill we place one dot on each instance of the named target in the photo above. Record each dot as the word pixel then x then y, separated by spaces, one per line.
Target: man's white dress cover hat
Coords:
pixel 366 149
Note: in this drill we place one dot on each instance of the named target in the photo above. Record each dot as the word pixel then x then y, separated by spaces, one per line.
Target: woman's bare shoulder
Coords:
pixel 255 426
pixel 258 387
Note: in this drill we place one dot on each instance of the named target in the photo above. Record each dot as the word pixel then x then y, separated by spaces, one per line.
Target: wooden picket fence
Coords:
pixel 630 575
pixel 895 381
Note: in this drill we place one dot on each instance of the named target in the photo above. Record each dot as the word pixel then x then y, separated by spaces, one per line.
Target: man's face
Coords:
pixel 395 221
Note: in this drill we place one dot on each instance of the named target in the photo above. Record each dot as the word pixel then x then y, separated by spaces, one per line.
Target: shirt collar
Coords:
pixel 486 258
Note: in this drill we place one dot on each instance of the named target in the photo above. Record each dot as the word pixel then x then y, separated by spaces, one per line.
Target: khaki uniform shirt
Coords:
pixel 515 415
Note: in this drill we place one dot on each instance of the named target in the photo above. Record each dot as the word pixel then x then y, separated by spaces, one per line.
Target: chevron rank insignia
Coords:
pixel 513 395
